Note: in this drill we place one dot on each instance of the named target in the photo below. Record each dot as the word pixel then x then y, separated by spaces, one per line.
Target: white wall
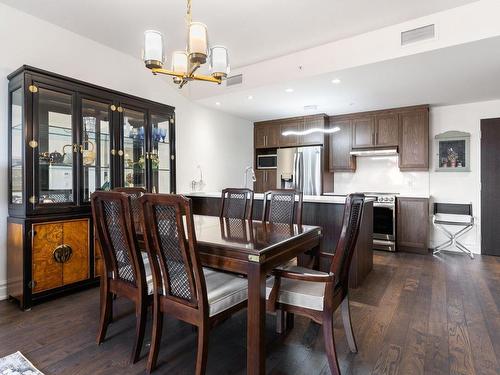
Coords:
pixel 461 187
pixel 220 143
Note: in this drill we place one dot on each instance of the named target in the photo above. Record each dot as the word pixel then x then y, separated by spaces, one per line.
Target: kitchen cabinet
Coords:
pixel 386 130
pixel 313 122
pixel 266 134
pixel 412 230
pixel 379 130
pixel 414 140
pixel 339 145
pixel 265 180
pixel 363 132
pixel 293 124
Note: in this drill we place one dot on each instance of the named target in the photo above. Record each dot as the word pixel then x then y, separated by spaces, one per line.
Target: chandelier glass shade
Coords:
pixel 185 63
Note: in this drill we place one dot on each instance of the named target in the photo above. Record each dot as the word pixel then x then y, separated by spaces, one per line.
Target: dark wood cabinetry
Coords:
pixel 412 225
pixel 363 132
pixel 266 135
pixel 67 139
pixel 265 180
pixel 339 145
pixel 269 134
pixel 414 139
pixel 386 129
pixel 293 125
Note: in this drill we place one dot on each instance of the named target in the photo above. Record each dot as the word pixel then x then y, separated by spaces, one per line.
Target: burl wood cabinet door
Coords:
pixel 414 140
pixel 363 132
pixel 339 147
pixel 46 272
pixel 76 235
pixel 386 130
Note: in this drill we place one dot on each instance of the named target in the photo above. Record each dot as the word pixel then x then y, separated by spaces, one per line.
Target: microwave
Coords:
pixel 269 161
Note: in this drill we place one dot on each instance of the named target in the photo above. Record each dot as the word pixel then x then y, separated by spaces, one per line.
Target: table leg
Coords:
pixel 256 340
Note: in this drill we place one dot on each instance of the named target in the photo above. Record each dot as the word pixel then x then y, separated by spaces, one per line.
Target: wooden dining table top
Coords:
pixel 251 236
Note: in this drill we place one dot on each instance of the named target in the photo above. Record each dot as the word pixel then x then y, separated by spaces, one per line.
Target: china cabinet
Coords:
pixel 67 139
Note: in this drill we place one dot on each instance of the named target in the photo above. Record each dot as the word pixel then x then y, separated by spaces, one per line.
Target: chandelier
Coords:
pixel 186 63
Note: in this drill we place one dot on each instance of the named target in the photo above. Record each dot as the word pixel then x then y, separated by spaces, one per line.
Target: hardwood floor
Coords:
pixel 414 314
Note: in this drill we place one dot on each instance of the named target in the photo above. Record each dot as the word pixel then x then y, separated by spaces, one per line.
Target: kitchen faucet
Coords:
pixel 249 169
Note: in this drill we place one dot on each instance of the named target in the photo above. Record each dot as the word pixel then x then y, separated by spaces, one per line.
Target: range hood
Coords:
pixel 390 151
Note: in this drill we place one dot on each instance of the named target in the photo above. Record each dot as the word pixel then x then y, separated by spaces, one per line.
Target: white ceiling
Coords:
pixel 461 74
pixel 253 30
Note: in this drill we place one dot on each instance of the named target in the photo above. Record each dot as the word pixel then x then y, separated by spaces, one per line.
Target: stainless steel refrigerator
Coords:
pixel 300 168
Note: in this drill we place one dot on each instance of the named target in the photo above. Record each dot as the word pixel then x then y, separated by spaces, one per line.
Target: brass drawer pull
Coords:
pixel 62 253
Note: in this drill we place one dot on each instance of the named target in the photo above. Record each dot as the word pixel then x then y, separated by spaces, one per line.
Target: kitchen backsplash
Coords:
pixel 381 174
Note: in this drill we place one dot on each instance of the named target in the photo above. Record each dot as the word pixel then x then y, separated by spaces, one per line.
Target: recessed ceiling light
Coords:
pixel 336 81
pixel 250 97
pixel 289 90
pixel 217 104
pixel 310 107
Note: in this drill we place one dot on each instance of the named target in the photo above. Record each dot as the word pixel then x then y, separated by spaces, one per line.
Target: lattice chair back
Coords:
pixel 353 212
pixel 135 193
pixel 236 203
pixel 280 206
pixel 116 234
pixel 171 243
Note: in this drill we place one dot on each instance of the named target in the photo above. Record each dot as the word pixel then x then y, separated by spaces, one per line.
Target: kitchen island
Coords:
pixel 324 211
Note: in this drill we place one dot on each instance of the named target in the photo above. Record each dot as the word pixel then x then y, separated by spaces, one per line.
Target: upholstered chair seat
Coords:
pixel 224 290
pixel 306 294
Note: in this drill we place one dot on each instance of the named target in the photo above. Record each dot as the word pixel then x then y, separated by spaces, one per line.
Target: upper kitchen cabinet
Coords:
pixel 414 139
pixel 339 145
pixel 386 129
pixel 363 131
pixel 290 125
pixel 266 134
pixel 309 123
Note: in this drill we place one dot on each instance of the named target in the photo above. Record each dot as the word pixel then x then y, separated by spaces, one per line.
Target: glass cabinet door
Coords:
pixel 54 125
pixel 16 147
pixel 95 147
pixel 134 148
pixel 160 153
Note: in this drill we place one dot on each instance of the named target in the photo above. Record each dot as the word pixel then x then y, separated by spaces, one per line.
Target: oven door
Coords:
pixel 384 222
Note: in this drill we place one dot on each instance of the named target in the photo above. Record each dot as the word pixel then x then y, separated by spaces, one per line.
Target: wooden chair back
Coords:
pixel 280 206
pixel 236 203
pixel 135 193
pixel 353 212
pixel 114 226
pixel 171 245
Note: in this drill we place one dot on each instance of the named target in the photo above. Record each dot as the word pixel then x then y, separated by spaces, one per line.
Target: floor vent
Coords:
pixel 234 80
pixel 417 35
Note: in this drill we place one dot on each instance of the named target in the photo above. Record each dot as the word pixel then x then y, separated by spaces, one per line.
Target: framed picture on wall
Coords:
pixel 452 152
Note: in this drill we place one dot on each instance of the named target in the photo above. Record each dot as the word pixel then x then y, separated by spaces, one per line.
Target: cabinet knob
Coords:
pixel 33 88
pixel 113 151
pixel 120 152
pixel 112 107
pixel 119 109
pixel 33 143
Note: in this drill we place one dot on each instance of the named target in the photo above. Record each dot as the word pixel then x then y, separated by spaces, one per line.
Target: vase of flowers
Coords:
pixel 452 157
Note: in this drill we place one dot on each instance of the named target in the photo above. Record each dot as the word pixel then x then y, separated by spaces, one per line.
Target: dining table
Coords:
pixel 253 248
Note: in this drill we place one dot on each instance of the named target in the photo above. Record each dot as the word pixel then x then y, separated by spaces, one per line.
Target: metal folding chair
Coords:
pixel 458 215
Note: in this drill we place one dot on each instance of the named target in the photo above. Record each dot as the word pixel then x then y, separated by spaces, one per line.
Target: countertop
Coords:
pixel 334 199
pixel 405 195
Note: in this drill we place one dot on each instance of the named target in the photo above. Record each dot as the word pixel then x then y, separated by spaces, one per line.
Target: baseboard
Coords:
pixel 3 290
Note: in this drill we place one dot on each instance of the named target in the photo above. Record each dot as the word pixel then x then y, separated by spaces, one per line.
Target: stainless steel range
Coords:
pixel 384 221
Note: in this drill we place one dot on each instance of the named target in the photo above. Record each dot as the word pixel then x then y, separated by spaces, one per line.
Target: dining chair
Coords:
pixel 317 295
pixel 126 271
pixel 182 287
pixel 280 207
pixel 236 203
pixel 135 193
